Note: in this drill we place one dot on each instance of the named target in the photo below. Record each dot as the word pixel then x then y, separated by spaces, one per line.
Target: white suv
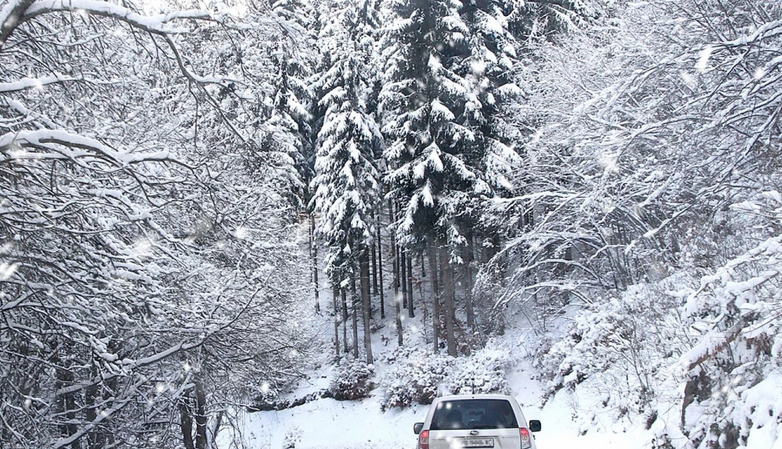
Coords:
pixel 476 421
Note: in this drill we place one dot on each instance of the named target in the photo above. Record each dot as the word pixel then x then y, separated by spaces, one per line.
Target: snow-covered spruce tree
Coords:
pixel 431 115
pixel 496 71
pixel 287 129
pixel 115 230
pixel 347 186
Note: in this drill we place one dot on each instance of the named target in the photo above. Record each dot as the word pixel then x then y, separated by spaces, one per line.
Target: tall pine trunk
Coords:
pixel 380 274
pixel 193 409
pixel 354 300
pixel 314 259
pixel 432 254
pixel 344 295
pixel 403 277
pixel 397 298
pixel 335 294
pixel 365 294
pixel 186 421
pixel 374 269
pixel 448 300
pixel 468 281
pixel 410 306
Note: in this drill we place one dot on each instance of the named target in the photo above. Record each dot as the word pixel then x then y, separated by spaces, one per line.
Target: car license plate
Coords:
pixel 478 442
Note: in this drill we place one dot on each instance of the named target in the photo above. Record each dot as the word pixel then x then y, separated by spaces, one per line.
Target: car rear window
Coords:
pixel 473 414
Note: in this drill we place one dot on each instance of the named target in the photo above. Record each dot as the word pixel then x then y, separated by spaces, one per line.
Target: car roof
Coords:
pixel 461 397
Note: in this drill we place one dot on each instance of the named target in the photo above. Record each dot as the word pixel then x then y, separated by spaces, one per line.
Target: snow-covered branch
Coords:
pixel 11 18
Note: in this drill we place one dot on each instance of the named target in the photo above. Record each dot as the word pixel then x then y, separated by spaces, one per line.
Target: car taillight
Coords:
pixel 423 439
pixel 526 438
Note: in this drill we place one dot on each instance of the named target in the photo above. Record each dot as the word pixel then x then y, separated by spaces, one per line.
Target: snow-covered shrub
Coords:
pixel 484 372
pixel 352 381
pixel 737 316
pixel 415 380
pixel 420 377
pixel 622 344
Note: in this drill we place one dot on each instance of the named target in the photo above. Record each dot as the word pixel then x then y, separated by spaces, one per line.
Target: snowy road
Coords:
pixel 329 424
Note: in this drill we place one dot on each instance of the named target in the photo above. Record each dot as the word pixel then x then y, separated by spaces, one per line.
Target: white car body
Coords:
pixel 479 421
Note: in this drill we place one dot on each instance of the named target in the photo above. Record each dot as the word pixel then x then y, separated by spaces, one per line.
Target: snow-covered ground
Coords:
pixel 351 425
pixel 570 419
pixel 331 424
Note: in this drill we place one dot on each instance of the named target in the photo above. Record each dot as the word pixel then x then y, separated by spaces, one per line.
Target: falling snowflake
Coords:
pixel 7 270
pixel 703 59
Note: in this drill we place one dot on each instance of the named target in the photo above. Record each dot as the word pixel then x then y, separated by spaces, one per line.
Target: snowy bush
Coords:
pixel 415 380
pixel 352 381
pixel 482 373
pixel 622 344
pixel 736 316
pixel 421 377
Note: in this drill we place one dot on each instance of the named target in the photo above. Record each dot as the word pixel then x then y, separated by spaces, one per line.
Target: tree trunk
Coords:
pixel 403 276
pixel 200 415
pixel 410 306
pixel 218 421
pixel 432 253
pixel 335 294
pixel 380 274
pixel 66 401
pixel 365 293
pixel 354 300
pixel 344 320
pixel 448 300
pixel 186 421
pixel 397 298
pixel 468 281
pixel 314 259
pixel 98 437
pixel 374 270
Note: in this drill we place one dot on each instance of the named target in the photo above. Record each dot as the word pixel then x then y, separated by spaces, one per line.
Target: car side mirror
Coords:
pixel 534 425
pixel 417 427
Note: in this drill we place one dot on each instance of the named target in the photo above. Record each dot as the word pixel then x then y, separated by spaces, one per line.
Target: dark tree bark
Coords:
pixel 314 258
pixel 448 300
pixel 365 294
pixel 354 300
pixel 186 421
pixel 374 270
pixel 397 299
pixel 99 437
pixel 403 276
pixel 468 281
pixel 409 280
pixel 344 320
pixel 13 19
pixel 335 294
pixel 66 401
pixel 380 275
pixel 432 254
pixel 200 415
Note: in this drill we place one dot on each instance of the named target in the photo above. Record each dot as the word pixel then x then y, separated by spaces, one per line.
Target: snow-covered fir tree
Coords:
pixel 431 112
pixel 347 185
